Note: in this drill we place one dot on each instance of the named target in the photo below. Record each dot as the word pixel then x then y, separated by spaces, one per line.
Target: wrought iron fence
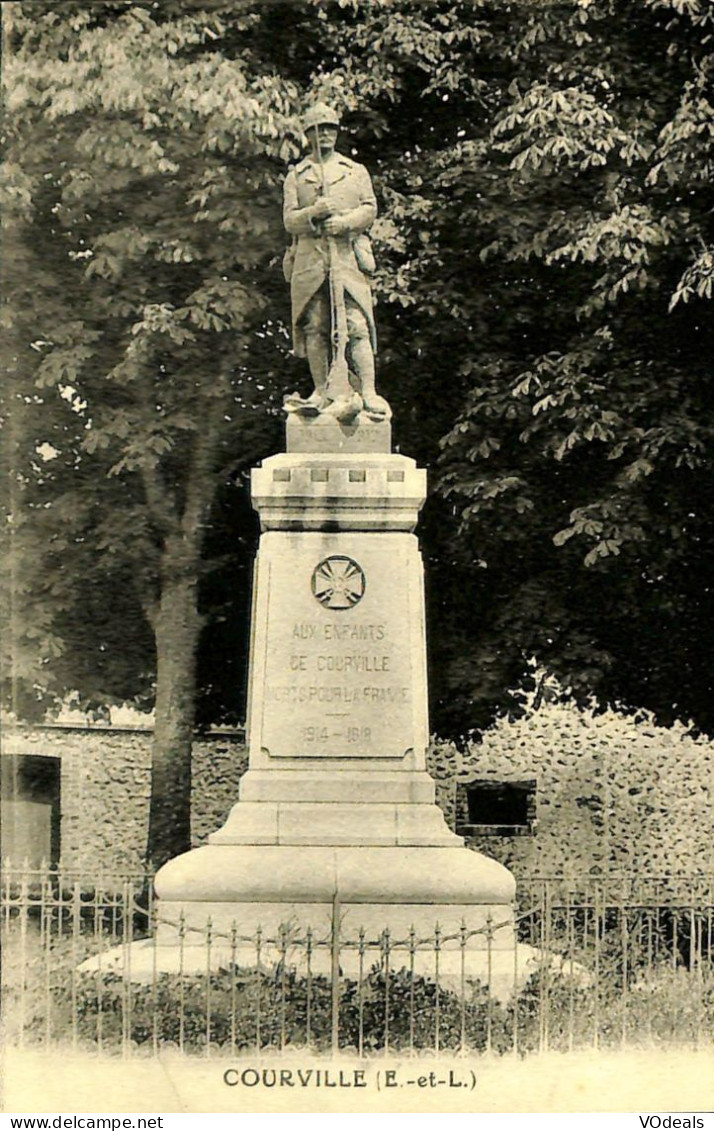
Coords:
pixel 617 961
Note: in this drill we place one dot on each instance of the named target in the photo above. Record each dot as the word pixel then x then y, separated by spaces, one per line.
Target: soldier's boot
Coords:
pixel 363 365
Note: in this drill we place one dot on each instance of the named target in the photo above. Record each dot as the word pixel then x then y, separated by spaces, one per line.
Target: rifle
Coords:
pixel 338 387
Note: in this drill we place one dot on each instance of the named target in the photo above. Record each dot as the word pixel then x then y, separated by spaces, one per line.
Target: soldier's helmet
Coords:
pixel 320 115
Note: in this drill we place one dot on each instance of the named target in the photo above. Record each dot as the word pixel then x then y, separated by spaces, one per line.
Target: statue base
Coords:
pixel 337 827
pixel 321 434
pixel 259 904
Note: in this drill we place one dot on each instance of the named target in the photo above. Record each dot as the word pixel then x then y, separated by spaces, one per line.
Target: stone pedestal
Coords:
pixel 337 807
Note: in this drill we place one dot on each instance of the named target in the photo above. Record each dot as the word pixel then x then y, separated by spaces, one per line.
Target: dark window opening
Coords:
pixel 496 808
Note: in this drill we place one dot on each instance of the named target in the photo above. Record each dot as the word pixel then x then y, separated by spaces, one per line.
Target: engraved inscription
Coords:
pixel 300 693
pixel 353 663
pixel 337 678
pixel 309 631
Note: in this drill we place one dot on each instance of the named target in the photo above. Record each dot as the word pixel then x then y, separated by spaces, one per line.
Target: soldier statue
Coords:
pixel 329 205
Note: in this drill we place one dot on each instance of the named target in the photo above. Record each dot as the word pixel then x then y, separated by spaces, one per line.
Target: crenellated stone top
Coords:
pixel 338 491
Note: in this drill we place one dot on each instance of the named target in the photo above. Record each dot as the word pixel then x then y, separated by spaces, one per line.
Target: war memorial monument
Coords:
pixel 337 811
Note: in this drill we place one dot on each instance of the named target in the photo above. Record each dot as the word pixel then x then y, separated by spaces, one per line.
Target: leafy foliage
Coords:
pixel 146 178
pixel 246 1009
pixel 580 461
pixel 545 228
pixel 150 362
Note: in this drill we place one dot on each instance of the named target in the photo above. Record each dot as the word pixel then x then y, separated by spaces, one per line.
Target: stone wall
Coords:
pixel 219 762
pixel 105 784
pixel 614 793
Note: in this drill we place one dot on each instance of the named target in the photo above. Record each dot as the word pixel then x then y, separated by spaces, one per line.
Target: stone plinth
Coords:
pixel 325 434
pixel 337 808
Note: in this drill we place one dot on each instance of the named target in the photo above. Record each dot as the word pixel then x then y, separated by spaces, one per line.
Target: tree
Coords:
pixel 581 462
pixel 145 168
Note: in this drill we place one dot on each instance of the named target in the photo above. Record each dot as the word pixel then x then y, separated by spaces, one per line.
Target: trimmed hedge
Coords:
pixel 615 791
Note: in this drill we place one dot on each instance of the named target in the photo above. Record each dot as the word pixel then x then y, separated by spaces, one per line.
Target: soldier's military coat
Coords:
pixel 348 189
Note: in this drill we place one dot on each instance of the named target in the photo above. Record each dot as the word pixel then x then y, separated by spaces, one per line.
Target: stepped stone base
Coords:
pixel 242 888
pixel 336 827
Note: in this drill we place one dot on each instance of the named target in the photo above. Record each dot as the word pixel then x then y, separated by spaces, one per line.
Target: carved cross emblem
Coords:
pixel 338 582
